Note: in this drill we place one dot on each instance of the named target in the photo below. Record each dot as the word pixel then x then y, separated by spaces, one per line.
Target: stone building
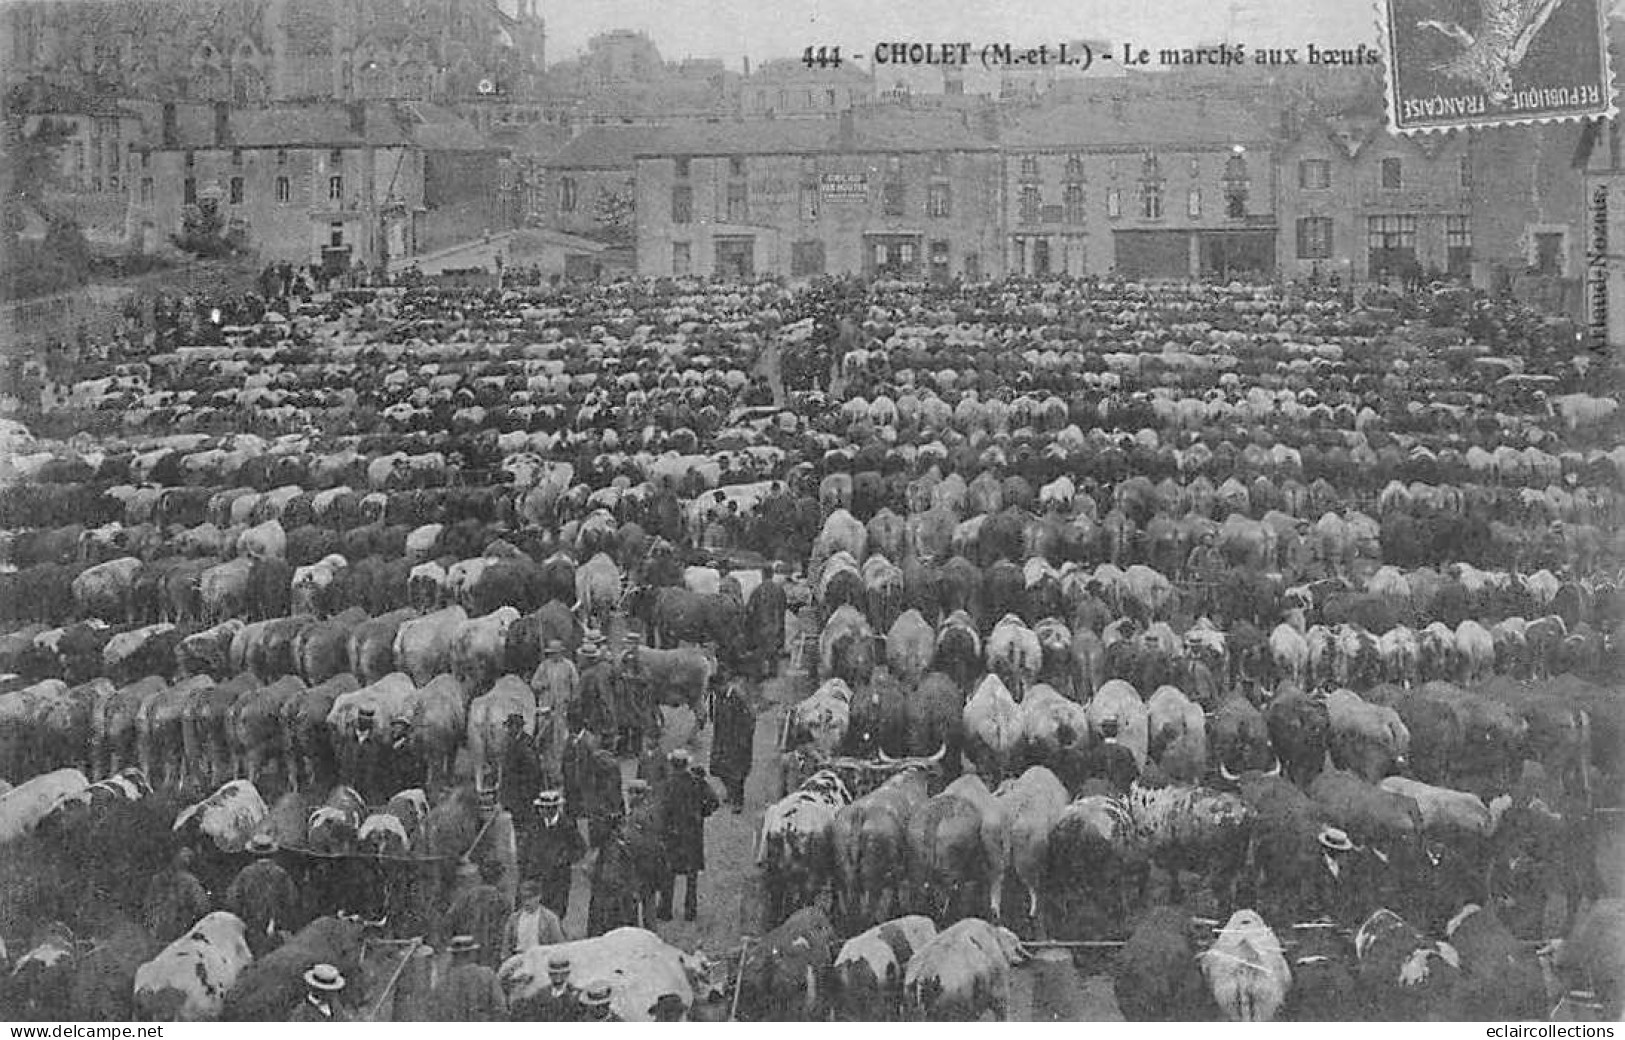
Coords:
pixel 914 197
pixel 1527 202
pixel 323 184
pixel 1359 203
pixel 1141 184
pixel 258 51
pixel 789 88
pixel 586 187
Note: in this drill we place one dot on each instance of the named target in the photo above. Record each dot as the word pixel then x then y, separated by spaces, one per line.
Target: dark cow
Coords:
pixel 274 984
pixel 785 976
pixel 1155 977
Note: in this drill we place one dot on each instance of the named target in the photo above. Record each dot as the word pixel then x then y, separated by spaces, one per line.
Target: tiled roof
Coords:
pixel 439 129
pixel 1145 120
pixel 291 126
pixel 606 147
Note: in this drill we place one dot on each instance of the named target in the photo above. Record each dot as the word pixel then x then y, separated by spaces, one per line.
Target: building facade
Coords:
pixel 1526 214
pixel 1143 186
pixel 587 186
pixel 789 88
pixel 325 185
pixel 257 51
pixel 801 199
pixel 1360 203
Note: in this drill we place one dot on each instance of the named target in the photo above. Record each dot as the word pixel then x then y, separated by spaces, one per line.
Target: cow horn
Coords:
pixel 1225 772
pixel 1275 770
pixel 942 752
pixel 886 758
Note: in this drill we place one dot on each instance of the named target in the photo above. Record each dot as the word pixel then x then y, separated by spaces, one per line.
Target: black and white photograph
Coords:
pixel 812 511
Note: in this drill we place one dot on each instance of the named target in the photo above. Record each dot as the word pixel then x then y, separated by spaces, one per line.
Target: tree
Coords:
pixel 28 171
pixel 616 214
pixel 206 234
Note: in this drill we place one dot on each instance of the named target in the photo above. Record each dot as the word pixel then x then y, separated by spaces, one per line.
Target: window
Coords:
pixel 1196 168
pixel 892 199
pixel 189 191
pixel 806 258
pixel 1029 166
pixel 146 189
pixel 1151 200
pixel 736 166
pixel 567 195
pixel 809 165
pixel 336 157
pixel 1458 243
pixel 1392 175
pixel 1464 172
pixel 939 260
pixel 682 204
pixel 1193 203
pixel 1235 187
pixel 682 167
pixel 1315 174
pixel 146 160
pixel 335 235
pixel 1314 238
pixel 282 157
pixel 1150 167
pixel 1031 205
pixel 680 259
pixel 191 159
pixel 1074 167
pixel 1549 250
pixel 236 191
pixel 112 183
pixel 829 99
pixel 1391 232
pixel 1114 203
pixel 284 190
pixel 936 202
pixel 1072 204
pixel 335 188
pixel 939 164
pixel 738 212
pixel 809 202
pixel 236 157
pixel 894 166
pixel 972 265
pixel 784 99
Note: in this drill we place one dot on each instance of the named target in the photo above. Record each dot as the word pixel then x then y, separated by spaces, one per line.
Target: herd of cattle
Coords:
pixel 1296 618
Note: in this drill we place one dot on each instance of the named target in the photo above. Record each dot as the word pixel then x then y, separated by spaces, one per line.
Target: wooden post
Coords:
pixel 739 977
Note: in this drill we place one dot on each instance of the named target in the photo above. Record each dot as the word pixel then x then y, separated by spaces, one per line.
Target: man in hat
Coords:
pixel 1345 881
pixel 469 991
pixel 634 704
pixel 521 772
pixel 263 896
pixel 595 1005
pixel 532 924
pixel 596 702
pixel 550 845
pixel 324 987
pixel 560 1001
pixel 602 802
pixel 174 900
pixel 368 758
pixel 686 800
pixel 557 684
pixel 404 765
pixel 732 741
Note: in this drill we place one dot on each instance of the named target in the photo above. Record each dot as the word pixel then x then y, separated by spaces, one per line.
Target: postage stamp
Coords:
pixel 1473 63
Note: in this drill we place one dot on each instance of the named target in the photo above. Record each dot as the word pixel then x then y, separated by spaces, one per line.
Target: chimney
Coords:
pixel 847 135
pixel 171 131
pixel 222 124
pixel 747 65
pixel 358 118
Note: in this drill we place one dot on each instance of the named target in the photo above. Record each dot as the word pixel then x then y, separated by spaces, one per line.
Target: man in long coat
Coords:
pixel 368 760
pixel 601 800
pixel 404 765
pixel 469 991
pixel 496 851
pixel 263 896
pixel 521 768
pixel 550 845
pixel 596 702
pixel 557 685
pixel 635 711
pixel 764 621
pixel 732 742
pixel 477 909
pixel 686 800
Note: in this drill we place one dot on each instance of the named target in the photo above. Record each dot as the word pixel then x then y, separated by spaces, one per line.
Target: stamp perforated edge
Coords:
pixel 1380 13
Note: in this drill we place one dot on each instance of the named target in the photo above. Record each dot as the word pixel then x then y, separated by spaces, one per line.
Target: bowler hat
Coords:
pixel 598 995
pixel 324 976
pixel 558 962
pixel 554 646
pixel 1336 839
pixel 463 944
pixel 549 799
pixel 261 845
